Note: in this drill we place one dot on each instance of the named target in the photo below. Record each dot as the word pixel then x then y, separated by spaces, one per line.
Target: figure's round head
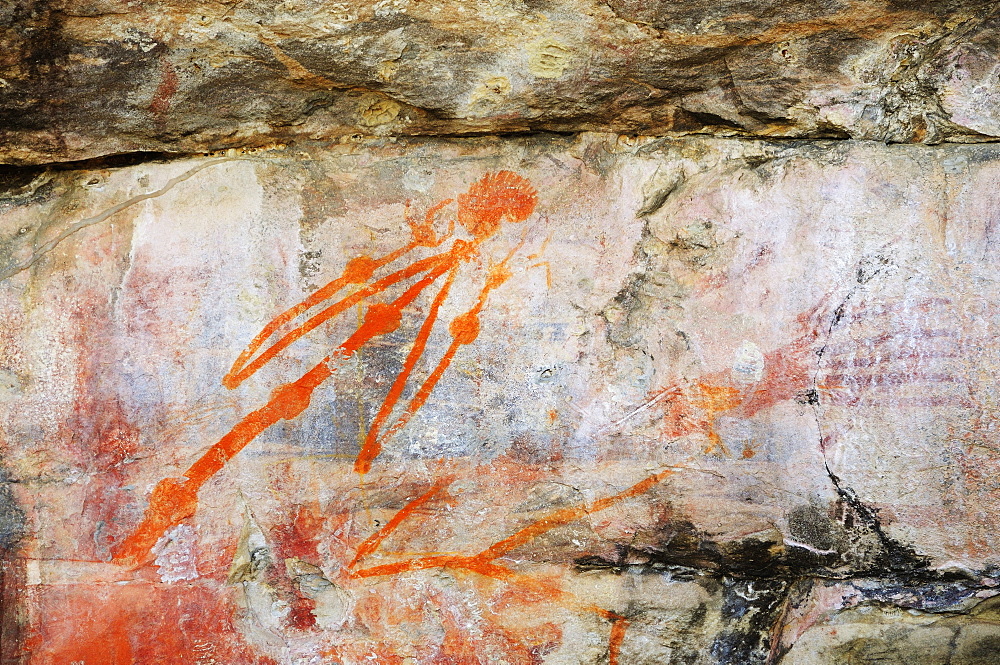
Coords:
pixel 491 199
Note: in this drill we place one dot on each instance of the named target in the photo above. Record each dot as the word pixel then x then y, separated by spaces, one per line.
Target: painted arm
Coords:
pixel 357 271
pixel 464 330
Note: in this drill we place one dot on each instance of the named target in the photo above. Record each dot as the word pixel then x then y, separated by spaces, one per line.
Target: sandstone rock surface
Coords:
pixel 416 332
pixel 85 78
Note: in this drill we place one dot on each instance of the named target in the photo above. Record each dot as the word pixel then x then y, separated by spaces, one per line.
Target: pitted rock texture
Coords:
pixel 86 78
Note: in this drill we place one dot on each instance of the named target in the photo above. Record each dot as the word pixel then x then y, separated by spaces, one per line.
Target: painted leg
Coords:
pixel 464 330
pixel 373 445
pixel 174 500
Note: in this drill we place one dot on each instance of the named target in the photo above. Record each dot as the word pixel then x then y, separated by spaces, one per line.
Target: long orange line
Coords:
pixel 291 399
pixel 567 515
pixel 483 564
pixel 381 319
pixel 373 542
pixel 287 402
pixel 372 445
pixel 238 374
pixel 618 627
pixel 411 565
pixel 425 390
pixel 173 501
pixel 519 538
pixel 464 330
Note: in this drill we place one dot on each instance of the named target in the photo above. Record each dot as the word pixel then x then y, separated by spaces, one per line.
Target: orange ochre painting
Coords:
pixel 571 401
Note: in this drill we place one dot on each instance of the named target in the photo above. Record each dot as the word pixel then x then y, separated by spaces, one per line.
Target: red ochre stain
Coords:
pixel 692 407
pixel 109 624
pixel 165 90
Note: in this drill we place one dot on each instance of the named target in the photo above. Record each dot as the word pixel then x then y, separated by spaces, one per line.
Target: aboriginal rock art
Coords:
pixel 757 381
pixel 493 199
pixel 752 423
pixel 484 563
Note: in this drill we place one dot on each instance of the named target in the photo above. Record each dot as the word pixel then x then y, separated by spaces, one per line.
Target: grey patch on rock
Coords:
pixel 548 494
pixel 626 307
pixel 877 635
pixel 310 263
pixel 810 525
pixel 658 190
pixel 24 186
pixel 872 548
pixel 12 517
pixel 11 384
pixel 696 244
pixel 308 577
pixel 252 557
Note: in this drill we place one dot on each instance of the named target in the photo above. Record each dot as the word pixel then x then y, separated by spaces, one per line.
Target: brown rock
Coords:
pixel 85 78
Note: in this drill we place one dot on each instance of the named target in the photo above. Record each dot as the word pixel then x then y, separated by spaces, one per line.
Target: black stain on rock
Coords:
pixel 627 307
pixel 688 553
pixel 810 525
pixel 893 557
pixel 749 611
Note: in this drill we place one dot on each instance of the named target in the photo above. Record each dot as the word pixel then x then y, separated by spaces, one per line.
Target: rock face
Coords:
pixel 86 78
pixel 563 399
pixel 531 332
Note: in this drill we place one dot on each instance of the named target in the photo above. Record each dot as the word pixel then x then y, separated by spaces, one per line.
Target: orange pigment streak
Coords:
pixel 483 564
pixel 488 201
pixel 358 271
pixel 464 330
pixel 567 515
pixel 240 373
pixel 373 445
pixel 618 627
pixel 373 542
pixel 512 542
pixel 174 500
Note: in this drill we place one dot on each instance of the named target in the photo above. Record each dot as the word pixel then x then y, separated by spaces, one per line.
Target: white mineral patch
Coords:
pixel 748 363
pixel 175 554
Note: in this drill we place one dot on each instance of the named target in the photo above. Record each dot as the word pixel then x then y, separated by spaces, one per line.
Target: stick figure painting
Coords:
pixel 490 201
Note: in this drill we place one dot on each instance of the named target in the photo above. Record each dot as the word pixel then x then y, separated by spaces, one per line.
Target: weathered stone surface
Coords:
pixel 725 401
pixel 85 78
